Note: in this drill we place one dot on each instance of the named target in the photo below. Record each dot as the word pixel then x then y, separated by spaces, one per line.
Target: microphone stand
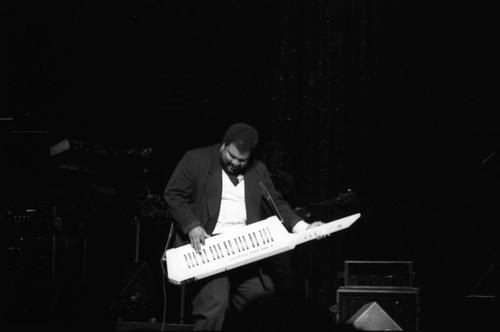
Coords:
pixel 270 200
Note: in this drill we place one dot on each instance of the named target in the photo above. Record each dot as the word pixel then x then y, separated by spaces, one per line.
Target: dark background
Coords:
pixel 393 100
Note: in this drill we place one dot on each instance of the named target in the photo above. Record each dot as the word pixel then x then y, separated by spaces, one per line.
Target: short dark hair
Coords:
pixel 243 136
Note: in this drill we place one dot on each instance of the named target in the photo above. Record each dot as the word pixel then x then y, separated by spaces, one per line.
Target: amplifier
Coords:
pixel 378 274
pixel 396 307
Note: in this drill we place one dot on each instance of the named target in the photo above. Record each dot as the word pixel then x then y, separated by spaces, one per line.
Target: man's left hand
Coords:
pixel 315 224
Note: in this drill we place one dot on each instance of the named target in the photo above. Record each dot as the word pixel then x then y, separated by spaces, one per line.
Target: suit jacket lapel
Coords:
pixel 253 196
pixel 214 186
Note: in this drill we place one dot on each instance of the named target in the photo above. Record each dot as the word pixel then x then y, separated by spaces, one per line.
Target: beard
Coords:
pixel 231 169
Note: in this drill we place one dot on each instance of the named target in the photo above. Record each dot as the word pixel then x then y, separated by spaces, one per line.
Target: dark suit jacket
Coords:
pixel 193 193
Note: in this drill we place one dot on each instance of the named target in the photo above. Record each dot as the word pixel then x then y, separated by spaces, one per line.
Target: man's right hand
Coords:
pixel 197 237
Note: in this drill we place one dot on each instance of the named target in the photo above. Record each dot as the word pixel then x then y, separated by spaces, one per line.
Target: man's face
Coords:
pixel 233 161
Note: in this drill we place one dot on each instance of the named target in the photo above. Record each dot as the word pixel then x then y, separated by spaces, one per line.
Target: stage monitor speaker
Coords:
pixel 371 317
pixel 402 304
